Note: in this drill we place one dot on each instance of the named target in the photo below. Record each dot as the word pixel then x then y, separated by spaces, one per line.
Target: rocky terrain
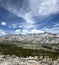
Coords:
pixel 33 38
pixel 30 49
pixel 14 60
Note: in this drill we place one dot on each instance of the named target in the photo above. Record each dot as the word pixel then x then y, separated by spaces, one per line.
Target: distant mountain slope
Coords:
pixel 33 38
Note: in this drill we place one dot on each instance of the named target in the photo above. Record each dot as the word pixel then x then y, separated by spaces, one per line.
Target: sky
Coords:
pixel 29 16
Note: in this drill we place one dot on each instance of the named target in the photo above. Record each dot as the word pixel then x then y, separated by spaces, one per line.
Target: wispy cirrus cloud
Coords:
pixel 54 30
pixel 36 14
pixel 27 8
pixel 56 25
pixel 49 7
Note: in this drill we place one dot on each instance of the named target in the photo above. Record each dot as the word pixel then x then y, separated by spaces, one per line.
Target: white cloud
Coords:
pixel 2 32
pixel 34 8
pixel 28 18
pixel 25 31
pixel 28 26
pixel 52 30
pixel 20 26
pixel 15 26
pixel 31 8
pixel 56 25
pixel 18 31
pixel 3 23
pixel 48 7
pixel 36 31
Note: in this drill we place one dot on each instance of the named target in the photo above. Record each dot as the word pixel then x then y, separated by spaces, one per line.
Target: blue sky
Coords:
pixel 29 16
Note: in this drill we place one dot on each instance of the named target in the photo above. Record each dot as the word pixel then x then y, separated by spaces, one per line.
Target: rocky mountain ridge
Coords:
pixel 32 38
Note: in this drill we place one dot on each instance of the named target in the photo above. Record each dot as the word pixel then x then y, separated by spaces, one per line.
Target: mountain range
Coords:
pixel 32 38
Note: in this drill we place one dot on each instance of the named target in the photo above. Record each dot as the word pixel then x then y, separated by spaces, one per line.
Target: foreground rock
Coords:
pixel 14 60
